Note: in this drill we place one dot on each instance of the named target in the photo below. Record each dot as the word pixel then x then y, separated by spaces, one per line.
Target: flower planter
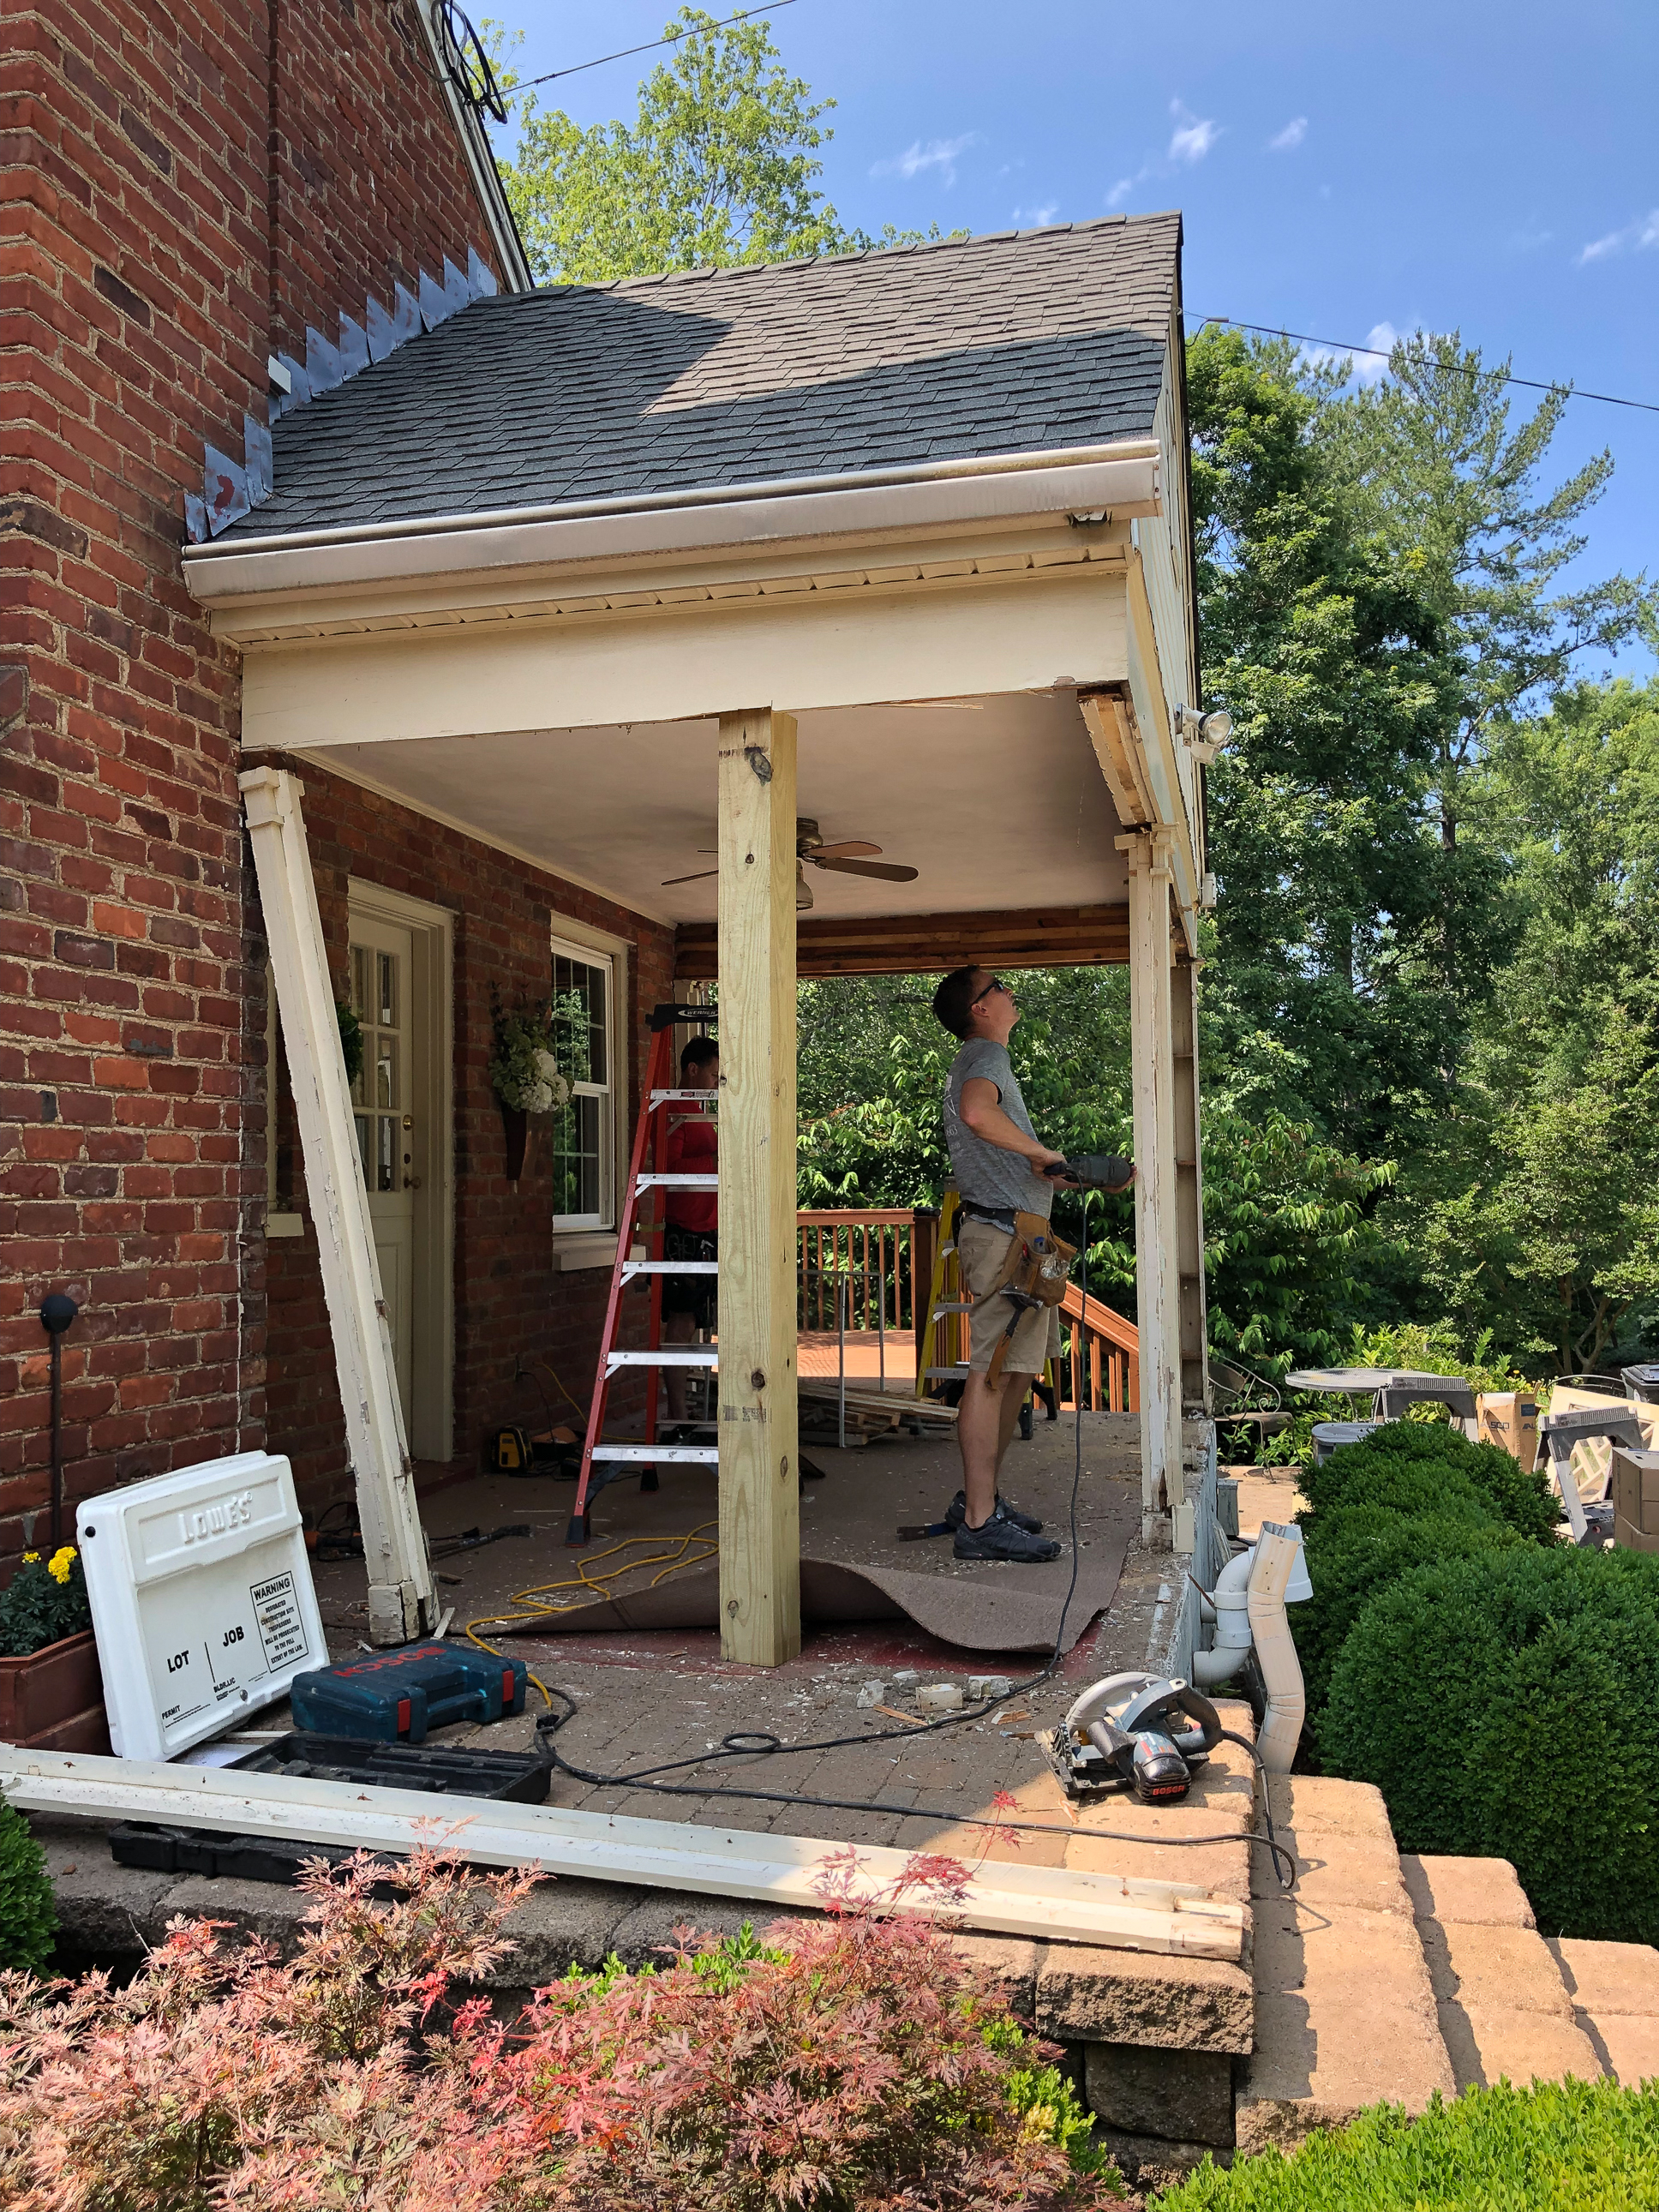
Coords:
pixel 53 1699
pixel 516 1122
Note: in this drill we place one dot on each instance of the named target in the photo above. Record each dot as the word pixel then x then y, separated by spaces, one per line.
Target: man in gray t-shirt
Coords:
pixel 998 1163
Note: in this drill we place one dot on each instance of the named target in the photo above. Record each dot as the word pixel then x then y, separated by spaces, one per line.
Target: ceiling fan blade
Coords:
pixel 850 848
pixel 701 876
pixel 885 869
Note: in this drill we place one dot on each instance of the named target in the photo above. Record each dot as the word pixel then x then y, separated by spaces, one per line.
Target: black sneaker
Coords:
pixel 999 1539
pixel 956 1512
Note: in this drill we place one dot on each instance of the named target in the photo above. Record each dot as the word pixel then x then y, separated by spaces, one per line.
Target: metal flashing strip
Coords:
pixel 1005 1897
pixel 1116 481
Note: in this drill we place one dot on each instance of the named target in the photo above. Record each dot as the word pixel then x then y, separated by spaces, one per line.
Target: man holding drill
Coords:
pixel 1000 1169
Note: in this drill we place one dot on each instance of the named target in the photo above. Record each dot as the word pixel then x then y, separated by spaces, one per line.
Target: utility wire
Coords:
pixel 650 46
pixel 1382 353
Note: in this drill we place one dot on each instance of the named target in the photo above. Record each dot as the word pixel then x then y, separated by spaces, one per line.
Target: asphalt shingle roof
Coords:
pixel 1022 342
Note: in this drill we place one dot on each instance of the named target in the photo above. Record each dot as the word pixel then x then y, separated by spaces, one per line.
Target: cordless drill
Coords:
pixel 1094 1171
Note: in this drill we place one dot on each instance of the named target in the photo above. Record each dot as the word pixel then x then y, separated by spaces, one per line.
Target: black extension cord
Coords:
pixel 761 1743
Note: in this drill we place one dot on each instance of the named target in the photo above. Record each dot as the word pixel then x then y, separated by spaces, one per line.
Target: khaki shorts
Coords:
pixel 982 1252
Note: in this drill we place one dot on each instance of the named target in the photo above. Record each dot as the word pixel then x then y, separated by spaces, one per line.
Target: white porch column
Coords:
pixel 401 1602
pixel 1157 1266
pixel 759 1441
pixel 1189 1187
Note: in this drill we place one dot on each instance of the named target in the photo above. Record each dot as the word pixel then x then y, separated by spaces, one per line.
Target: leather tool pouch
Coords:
pixel 1038 1263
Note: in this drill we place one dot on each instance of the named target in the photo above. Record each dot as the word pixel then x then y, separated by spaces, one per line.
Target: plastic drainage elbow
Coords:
pixel 1278 1551
pixel 1230 1611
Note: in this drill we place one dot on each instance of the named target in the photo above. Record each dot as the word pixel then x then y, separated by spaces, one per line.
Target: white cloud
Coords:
pixel 1290 137
pixel 1371 367
pixel 1036 218
pixel 1635 238
pixel 940 153
pixel 1192 138
pixel 1121 190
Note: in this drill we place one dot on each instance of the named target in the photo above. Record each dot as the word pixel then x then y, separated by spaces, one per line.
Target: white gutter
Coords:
pixel 1053 1904
pixel 1121 479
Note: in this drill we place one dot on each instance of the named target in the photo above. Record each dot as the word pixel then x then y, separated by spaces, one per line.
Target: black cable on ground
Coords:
pixel 761 1743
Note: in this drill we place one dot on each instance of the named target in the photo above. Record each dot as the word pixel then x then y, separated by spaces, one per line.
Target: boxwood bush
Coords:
pixel 1442 1455
pixel 1506 1703
pixel 29 1918
pixel 1557 2147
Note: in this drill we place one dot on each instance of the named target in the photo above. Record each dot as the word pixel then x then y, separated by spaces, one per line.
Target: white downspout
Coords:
pixel 1277 1551
pixel 1232 1632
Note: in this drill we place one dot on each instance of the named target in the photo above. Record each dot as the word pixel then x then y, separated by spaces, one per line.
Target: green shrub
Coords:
pixel 1507 1706
pixel 1355 1553
pixel 1439 1453
pixel 29 1919
pixel 1385 1487
pixel 1557 2147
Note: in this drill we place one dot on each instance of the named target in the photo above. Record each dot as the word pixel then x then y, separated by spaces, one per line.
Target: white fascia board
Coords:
pixel 1006 1897
pixel 1122 481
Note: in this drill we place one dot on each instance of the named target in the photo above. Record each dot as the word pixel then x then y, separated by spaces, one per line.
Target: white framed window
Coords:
pixel 584 1137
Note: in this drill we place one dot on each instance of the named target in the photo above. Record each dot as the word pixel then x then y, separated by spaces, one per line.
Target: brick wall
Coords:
pixel 510 1305
pixel 145 218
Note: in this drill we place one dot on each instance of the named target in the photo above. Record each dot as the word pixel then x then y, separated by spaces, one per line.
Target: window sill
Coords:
pixel 583 1248
pixel 285 1224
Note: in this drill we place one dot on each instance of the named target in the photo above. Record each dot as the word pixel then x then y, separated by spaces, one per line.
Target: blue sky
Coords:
pixel 1344 171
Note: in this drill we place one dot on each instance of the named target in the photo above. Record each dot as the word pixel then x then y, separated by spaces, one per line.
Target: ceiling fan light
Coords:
pixel 803 890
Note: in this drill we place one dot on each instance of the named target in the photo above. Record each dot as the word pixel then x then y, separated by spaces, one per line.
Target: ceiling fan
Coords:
pixel 852 857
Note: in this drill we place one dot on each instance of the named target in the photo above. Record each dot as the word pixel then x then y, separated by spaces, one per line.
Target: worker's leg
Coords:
pixel 677 1328
pixel 1013 1397
pixel 980 1423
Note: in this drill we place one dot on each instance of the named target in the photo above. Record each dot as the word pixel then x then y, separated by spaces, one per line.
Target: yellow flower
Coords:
pixel 29 1559
pixel 61 1562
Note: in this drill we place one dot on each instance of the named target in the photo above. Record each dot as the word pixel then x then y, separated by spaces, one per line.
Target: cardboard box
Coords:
pixel 1508 1418
pixel 1636 1489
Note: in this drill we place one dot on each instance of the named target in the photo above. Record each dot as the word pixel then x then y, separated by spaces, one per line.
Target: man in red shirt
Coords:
pixel 692 1216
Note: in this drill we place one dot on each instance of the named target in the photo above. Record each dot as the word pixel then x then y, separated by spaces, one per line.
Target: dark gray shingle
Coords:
pixel 1023 341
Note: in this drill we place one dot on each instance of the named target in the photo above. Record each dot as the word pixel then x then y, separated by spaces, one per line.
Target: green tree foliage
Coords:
pixel 717 167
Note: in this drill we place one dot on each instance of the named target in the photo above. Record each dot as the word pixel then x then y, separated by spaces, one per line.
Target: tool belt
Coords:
pixel 1034 1274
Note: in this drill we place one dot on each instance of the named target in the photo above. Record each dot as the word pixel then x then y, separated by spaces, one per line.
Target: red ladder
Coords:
pixel 651 1129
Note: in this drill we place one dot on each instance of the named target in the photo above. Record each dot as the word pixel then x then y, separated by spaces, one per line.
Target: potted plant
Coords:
pixel 52 1693
pixel 524 1073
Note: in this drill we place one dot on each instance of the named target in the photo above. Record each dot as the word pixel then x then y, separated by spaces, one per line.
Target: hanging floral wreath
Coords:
pixel 525 1071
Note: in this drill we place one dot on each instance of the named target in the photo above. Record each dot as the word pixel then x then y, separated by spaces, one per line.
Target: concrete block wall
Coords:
pixel 181 190
pixel 509 1302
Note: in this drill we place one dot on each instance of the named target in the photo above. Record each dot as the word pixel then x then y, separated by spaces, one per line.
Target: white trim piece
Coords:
pixel 285 1224
pixel 576 1248
pixel 1006 1897
pixel 480 159
pixel 1153 1088
pixel 402 1604
pixel 1003 489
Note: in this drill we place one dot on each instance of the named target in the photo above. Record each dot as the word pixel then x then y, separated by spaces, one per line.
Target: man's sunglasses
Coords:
pixel 996 983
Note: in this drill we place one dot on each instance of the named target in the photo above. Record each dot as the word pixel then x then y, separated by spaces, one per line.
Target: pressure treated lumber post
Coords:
pixel 1152 1084
pixel 1189 1188
pixel 759 1442
pixel 400 1589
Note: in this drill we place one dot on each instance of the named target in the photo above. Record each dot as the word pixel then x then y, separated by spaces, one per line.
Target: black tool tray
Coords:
pixel 440 1771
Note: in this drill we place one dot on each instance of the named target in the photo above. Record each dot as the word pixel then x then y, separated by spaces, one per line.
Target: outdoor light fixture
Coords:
pixel 1205 733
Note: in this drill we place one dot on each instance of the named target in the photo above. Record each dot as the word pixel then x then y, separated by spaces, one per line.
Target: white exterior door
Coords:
pixel 383 1103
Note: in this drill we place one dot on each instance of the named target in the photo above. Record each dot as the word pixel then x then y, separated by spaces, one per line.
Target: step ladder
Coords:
pixel 604 1462
pixel 945 1343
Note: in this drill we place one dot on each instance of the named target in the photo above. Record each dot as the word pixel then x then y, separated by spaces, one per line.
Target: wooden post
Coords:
pixel 1189 1188
pixel 401 1600
pixel 759 1442
pixel 1153 1080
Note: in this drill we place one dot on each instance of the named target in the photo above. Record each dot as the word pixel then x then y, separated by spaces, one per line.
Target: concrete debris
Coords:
pixel 940 1698
pixel 872 1693
pixel 989 1685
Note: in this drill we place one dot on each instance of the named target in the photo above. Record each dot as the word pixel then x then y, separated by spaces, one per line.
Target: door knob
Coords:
pixel 411 1183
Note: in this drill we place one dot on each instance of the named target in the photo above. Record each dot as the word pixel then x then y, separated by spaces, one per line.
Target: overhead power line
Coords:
pixel 651 45
pixel 1381 353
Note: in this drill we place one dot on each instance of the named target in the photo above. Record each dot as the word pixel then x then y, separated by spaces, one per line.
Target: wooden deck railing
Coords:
pixel 877 1253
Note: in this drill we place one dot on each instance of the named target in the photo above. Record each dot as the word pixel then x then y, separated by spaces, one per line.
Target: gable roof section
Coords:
pixel 1022 342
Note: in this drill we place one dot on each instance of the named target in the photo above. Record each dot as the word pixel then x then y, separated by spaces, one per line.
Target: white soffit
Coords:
pixel 1000 802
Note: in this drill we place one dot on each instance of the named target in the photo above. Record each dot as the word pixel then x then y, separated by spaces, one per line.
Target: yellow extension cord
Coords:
pixel 526 1608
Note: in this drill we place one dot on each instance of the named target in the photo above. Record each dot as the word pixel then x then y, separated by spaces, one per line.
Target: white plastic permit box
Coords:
pixel 202 1600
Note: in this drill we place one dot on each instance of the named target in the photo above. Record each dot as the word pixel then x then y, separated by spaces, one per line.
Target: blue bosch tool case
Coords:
pixel 393 1696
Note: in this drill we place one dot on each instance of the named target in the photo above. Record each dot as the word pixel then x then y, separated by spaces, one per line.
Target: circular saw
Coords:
pixel 1143 1735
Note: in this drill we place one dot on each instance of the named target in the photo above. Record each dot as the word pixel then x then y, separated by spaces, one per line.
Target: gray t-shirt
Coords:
pixel 986 1174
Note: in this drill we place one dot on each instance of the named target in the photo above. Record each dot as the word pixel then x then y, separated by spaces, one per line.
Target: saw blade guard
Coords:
pixel 1138 1701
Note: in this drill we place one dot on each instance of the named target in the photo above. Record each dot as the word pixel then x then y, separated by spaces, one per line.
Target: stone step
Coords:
pixel 1345 2011
pixel 1614 1989
pixel 1501 2001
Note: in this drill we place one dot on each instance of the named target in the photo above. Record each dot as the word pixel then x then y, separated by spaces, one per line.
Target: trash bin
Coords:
pixel 1641 1383
pixel 1328 1435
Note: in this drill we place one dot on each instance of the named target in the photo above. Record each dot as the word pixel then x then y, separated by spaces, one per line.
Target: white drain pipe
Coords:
pixel 1250 1613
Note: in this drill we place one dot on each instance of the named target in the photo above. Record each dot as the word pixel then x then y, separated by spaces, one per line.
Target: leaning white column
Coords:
pixel 401 1603
pixel 1152 1073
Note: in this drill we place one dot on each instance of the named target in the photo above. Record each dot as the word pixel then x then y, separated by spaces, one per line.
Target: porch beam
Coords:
pixel 1189 1188
pixel 402 1604
pixel 759 1441
pixel 921 944
pixel 1153 1087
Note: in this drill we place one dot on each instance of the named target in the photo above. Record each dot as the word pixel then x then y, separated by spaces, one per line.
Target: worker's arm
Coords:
pixel 982 1111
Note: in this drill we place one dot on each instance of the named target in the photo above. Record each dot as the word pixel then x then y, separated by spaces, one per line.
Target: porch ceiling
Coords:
pixel 999 802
